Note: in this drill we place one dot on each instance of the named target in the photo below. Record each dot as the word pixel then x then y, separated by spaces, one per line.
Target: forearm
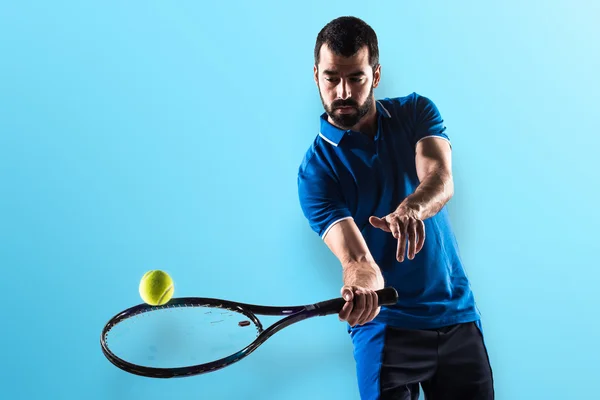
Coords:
pixel 348 245
pixel 431 195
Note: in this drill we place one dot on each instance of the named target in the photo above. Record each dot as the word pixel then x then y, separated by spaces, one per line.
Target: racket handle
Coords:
pixel 386 297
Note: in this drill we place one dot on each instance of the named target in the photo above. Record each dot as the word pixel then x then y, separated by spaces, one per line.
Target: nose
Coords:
pixel 343 90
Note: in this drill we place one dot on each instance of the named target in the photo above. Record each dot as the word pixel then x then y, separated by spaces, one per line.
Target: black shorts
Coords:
pixel 449 363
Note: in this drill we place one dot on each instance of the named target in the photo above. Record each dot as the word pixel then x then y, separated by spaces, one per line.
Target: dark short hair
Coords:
pixel 345 36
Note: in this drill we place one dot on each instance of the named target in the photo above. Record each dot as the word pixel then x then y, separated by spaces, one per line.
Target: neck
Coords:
pixel 368 124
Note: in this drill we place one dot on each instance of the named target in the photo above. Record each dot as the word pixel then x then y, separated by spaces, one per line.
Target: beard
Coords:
pixel 347 121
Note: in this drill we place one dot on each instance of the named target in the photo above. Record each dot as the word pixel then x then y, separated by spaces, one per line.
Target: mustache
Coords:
pixel 343 103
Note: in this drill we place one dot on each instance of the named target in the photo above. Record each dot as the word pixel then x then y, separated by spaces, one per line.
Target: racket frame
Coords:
pixel 293 314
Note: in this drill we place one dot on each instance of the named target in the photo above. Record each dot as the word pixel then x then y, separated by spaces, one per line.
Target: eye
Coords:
pixel 355 79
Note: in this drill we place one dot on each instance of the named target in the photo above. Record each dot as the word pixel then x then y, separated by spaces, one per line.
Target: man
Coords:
pixel 374 185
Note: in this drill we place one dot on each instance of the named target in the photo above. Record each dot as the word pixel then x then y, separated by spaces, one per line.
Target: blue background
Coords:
pixel 167 134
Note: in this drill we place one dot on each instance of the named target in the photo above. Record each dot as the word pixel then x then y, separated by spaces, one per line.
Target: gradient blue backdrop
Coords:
pixel 167 134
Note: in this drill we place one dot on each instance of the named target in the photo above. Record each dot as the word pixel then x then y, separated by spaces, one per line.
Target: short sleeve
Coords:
pixel 428 121
pixel 321 199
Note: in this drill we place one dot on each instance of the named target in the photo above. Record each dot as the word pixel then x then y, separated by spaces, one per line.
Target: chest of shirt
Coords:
pixel 375 175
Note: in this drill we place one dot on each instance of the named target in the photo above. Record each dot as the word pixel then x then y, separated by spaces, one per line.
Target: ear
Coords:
pixel 316 74
pixel 376 75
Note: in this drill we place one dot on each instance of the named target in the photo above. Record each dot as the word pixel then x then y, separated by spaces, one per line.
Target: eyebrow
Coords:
pixel 354 74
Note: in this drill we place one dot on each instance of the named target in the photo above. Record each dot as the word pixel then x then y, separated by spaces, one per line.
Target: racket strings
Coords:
pixel 172 336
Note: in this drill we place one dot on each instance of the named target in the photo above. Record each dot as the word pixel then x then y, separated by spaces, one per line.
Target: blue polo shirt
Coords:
pixel 346 174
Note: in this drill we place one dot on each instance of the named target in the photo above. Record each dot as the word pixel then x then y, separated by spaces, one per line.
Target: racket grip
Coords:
pixel 386 297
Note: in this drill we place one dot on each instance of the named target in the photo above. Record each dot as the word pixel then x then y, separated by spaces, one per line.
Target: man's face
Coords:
pixel 346 85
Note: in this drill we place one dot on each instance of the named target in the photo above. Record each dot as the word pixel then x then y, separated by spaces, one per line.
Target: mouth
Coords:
pixel 345 109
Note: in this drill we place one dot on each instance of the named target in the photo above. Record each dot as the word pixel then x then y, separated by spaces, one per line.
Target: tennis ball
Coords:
pixel 156 287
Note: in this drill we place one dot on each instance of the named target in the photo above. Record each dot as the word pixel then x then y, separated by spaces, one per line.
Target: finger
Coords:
pixel 358 308
pixel 374 307
pixel 395 227
pixel 368 306
pixel 401 242
pixel 379 223
pixel 421 234
pixel 411 231
pixel 348 295
pixel 377 307
pixel 345 312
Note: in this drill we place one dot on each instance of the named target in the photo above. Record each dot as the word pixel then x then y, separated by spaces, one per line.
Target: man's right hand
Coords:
pixel 361 305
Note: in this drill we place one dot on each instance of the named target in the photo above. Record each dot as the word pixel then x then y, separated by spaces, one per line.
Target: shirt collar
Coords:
pixel 333 135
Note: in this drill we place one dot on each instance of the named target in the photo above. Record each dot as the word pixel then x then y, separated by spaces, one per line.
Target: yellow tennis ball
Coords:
pixel 156 287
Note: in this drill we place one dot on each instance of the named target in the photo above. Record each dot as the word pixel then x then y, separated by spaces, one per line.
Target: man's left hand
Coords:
pixel 404 223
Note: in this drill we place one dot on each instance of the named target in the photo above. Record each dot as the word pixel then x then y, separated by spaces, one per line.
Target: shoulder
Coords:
pixel 409 105
pixel 317 158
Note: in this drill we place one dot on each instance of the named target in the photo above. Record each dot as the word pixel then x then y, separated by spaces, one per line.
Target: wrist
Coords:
pixel 411 207
pixel 365 274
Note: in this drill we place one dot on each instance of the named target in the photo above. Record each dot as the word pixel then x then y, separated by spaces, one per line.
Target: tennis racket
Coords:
pixel 191 335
